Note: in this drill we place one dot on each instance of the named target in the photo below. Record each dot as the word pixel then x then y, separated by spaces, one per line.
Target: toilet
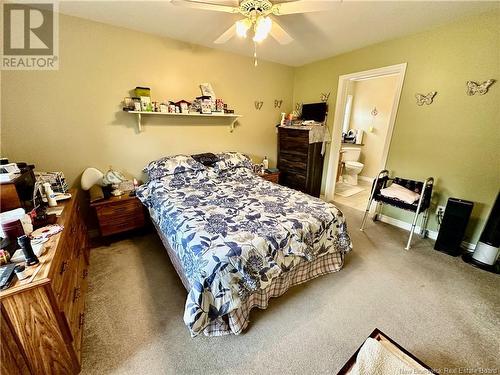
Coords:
pixel 352 167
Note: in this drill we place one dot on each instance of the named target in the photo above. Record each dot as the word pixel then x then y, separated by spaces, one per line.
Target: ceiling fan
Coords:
pixel 257 17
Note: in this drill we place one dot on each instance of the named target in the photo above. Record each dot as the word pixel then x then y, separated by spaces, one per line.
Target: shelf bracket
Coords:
pixel 139 122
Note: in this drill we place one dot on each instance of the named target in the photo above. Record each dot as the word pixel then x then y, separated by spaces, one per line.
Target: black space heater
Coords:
pixel 452 229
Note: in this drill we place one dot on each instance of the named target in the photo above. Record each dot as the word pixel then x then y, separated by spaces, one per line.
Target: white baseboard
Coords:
pixel 404 225
pixel 431 234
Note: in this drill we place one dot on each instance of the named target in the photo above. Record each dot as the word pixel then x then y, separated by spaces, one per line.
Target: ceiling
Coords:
pixel 341 27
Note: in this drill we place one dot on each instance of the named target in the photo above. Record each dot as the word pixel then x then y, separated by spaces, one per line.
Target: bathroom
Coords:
pixel 365 137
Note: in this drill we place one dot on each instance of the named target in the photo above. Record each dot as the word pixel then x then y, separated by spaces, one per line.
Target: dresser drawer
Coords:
pixel 127 208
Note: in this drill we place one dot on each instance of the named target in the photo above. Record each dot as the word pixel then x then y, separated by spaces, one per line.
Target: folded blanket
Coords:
pixel 401 193
pixel 375 358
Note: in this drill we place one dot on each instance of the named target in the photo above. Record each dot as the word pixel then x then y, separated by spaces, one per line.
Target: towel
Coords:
pixel 401 193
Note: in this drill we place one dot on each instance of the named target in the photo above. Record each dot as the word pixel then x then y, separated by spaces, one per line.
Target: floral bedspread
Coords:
pixel 234 232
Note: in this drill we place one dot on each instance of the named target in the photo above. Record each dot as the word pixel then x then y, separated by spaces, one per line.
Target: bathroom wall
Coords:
pixel 369 94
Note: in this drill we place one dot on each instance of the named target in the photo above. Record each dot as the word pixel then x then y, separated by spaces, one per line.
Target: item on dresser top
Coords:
pixel 46 231
pixel 90 177
pixel 6 275
pixel 38 249
pixel 49 194
pixel 11 222
pixel 25 243
pixel 55 210
pixel 401 193
pixel 56 180
pixel 20 271
pixel 4 257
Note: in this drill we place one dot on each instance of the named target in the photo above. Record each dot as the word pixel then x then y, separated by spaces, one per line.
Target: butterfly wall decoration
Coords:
pixel 474 88
pixel 298 110
pixel 258 105
pixel 324 97
pixel 278 103
pixel 425 99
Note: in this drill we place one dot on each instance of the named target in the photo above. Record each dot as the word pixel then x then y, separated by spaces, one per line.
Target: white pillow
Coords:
pixel 401 193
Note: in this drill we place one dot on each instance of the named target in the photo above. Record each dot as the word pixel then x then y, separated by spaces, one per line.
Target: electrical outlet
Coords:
pixel 440 210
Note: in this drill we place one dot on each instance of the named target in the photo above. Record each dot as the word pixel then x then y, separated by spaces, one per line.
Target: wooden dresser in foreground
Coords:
pixel 42 319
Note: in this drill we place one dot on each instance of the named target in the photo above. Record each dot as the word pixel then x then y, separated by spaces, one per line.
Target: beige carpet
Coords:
pixel 441 309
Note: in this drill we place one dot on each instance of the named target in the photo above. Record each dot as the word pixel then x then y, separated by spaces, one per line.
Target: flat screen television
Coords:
pixel 314 111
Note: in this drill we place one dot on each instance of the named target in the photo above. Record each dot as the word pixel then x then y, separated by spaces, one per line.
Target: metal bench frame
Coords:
pixel 428 183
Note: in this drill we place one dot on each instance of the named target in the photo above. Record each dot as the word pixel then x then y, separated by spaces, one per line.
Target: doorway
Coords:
pixel 365 113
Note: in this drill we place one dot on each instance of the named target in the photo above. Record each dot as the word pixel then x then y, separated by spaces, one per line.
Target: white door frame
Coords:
pixel 333 160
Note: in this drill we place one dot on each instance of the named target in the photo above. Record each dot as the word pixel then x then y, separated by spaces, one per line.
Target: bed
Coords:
pixel 235 239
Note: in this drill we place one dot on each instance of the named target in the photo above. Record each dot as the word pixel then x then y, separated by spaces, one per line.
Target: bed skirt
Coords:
pixel 236 321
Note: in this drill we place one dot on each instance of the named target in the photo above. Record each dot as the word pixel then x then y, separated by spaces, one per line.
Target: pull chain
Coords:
pixel 255 54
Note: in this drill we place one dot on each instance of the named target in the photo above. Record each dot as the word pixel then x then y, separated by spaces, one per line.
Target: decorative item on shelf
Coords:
pixel 425 99
pixel 474 88
pixel 219 105
pixel 258 105
pixel 183 105
pixel 137 104
pixel 142 91
pixel 155 106
pixel 163 108
pixel 206 105
pixel 128 104
pixel 278 103
pixel 195 106
pixel 282 122
pixel 324 97
pixel 146 104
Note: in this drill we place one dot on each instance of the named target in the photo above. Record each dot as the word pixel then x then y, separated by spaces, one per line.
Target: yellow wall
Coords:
pixel 369 94
pixel 457 138
pixel 71 119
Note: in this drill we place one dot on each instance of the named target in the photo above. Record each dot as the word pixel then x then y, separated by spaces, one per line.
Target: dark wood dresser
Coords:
pixel 42 316
pixel 300 163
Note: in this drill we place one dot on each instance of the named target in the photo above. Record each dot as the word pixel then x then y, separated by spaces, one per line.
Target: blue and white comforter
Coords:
pixel 234 233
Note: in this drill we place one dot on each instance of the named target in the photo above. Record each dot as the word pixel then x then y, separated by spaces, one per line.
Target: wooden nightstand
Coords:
pixel 273 177
pixel 119 214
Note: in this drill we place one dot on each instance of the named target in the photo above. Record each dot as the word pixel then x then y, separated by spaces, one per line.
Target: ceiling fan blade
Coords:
pixel 228 34
pixel 278 33
pixel 205 6
pixel 303 6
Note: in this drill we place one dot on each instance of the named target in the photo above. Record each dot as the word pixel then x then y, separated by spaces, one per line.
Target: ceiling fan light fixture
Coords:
pixel 262 28
pixel 242 27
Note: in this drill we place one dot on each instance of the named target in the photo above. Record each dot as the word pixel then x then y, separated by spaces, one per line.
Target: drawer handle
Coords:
pixel 64 267
pixel 81 320
pixel 76 294
pixel 85 273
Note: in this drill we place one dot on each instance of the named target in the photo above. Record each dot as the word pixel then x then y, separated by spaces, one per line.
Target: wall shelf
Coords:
pixel 226 116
